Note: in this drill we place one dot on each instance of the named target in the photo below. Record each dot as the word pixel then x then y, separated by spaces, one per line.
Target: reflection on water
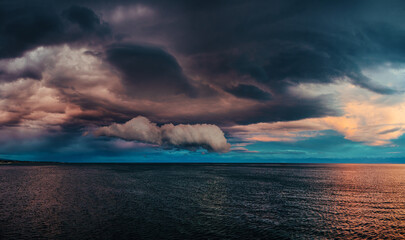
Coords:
pixel 126 201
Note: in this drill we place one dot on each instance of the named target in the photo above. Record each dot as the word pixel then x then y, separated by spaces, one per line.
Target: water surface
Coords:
pixel 200 201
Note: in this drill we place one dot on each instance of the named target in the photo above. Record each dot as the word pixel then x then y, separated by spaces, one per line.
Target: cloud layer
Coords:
pixel 290 72
pixel 184 136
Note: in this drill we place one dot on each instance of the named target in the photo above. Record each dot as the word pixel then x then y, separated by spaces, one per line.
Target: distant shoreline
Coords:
pixel 6 161
pixel 23 162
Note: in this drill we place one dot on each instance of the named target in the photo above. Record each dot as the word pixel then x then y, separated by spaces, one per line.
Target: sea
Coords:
pixel 202 201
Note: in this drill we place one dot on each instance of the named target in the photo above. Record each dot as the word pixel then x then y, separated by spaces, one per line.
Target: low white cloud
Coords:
pixel 137 129
pixel 185 136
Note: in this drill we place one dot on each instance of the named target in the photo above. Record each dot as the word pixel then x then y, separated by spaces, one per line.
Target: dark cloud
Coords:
pixel 82 16
pixel 148 72
pixel 288 109
pixel 29 72
pixel 389 131
pixel 275 48
pixel 249 92
pixel 255 50
pixel 26 25
pixel 287 42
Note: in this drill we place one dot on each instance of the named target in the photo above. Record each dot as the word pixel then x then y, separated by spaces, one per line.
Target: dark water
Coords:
pixel 202 201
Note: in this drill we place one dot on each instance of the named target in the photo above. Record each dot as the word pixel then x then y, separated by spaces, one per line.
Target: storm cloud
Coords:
pixel 148 71
pixel 27 25
pixel 249 92
pixel 196 67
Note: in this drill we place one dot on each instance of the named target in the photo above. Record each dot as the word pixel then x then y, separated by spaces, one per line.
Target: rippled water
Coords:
pixel 125 201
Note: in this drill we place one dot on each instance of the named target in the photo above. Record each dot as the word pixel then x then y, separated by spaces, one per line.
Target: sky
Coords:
pixel 202 81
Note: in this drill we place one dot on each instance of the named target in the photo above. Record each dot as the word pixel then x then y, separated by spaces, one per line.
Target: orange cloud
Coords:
pixel 368 118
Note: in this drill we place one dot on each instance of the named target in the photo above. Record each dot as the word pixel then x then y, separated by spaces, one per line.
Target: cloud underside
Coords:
pixel 183 136
pixel 70 67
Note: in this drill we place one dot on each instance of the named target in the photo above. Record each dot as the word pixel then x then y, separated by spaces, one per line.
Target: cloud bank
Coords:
pixel 185 136
pixel 293 71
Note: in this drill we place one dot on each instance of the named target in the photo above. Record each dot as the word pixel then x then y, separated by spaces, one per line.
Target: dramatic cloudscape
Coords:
pixel 202 81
